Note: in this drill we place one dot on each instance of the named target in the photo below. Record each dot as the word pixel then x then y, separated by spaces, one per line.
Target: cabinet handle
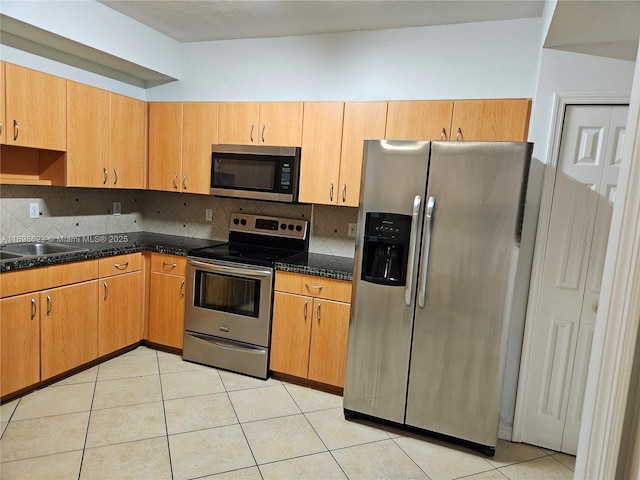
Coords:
pixel 594 307
pixel 16 130
pixel 106 175
pixel 121 266
pixel 172 265
pixel 0 128
pixel 34 309
pixel 443 134
pixel 306 304
pixel 331 193
pixel 459 134
pixel 49 305
pixel 175 177
pixel 251 133
pixel 344 193
pixel 318 312
pixel 319 287
pixel 115 174
pixel 106 290
pixel 262 134
pixel 184 181
pixel 182 289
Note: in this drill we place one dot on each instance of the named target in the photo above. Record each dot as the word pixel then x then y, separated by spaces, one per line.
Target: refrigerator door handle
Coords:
pixel 413 244
pixel 426 244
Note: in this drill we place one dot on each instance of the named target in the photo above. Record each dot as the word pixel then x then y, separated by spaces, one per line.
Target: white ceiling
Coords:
pixel 196 20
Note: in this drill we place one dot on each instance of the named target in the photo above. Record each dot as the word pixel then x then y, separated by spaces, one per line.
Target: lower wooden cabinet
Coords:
pixel 309 332
pixel 68 327
pixel 166 300
pixel 19 342
pixel 120 312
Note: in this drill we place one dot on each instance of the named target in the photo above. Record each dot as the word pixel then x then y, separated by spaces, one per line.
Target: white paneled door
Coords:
pixel 583 196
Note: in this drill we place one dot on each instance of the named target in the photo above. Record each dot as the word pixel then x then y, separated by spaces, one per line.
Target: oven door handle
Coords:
pixel 239 271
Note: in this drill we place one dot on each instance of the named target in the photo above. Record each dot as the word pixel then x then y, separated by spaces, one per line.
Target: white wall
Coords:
pixel 99 27
pixel 565 73
pixel 42 64
pixel 476 60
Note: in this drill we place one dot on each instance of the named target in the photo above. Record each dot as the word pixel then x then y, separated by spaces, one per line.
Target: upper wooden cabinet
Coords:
pixel 88 127
pixel 491 120
pixel 321 146
pixel 128 147
pixel 419 120
pixel 36 109
pixel 106 141
pixel 332 149
pixel 180 139
pixel 271 123
pixel 362 120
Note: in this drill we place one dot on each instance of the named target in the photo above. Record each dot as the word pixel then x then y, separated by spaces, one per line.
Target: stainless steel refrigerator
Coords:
pixel 440 285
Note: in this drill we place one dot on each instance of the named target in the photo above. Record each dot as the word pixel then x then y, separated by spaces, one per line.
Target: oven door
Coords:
pixel 229 300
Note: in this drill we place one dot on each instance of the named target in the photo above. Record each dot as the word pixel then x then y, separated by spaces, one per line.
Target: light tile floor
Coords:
pixel 149 415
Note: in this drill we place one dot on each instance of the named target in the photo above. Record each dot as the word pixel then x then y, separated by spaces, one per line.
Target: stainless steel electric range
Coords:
pixel 230 292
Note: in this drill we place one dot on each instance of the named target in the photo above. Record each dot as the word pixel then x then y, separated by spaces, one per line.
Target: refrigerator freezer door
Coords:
pixel 460 335
pixel 394 174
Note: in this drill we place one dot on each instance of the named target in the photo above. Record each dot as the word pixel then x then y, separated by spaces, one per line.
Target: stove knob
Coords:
pixel 243 221
pixel 298 228
pixel 283 226
pixel 290 227
pixel 236 221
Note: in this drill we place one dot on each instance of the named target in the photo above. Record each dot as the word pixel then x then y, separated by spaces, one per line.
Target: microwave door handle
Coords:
pixel 238 271
pixel 426 245
pixel 413 244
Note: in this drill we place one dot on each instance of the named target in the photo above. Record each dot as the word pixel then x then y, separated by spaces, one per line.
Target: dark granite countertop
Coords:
pixel 99 246
pixel 329 266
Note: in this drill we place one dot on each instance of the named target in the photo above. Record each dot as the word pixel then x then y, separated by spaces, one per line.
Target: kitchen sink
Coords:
pixel 13 251
pixel 8 256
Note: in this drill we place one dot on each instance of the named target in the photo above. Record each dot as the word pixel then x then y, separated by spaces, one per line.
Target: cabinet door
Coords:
pixel 3 123
pixel 68 327
pixel 238 123
pixel 166 310
pixel 36 108
pixel 491 120
pixel 88 145
pixel 321 144
pixel 165 146
pixel 199 133
pixel 280 124
pixel 120 312
pixel 128 146
pixel 290 334
pixel 19 342
pixel 419 120
pixel 328 350
pixel 362 120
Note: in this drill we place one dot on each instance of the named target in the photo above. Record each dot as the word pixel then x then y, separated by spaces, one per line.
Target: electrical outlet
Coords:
pixel 208 214
pixel 117 208
pixel 352 230
pixel 34 210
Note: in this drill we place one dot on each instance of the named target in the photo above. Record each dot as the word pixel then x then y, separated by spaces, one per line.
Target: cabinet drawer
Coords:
pixel 120 264
pixel 311 285
pixel 173 264
pixel 33 279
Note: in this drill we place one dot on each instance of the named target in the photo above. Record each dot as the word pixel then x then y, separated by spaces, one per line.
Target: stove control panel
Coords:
pixel 274 226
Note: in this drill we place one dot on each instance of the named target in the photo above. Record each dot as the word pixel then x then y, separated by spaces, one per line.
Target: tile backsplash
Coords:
pixel 66 213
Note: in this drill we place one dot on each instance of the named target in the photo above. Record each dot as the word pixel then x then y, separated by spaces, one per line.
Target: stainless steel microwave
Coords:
pixel 256 172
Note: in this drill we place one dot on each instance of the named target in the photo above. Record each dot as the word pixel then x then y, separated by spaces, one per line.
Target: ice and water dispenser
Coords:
pixel 386 248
